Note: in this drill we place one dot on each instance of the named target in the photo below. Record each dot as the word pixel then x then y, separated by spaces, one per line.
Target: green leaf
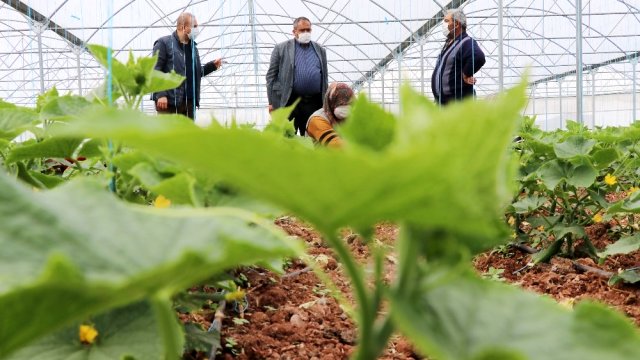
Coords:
pixel 160 81
pixel 14 121
pixel 53 147
pixel 605 157
pixel 464 317
pixel 146 174
pixel 179 189
pixel 624 245
pixel 368 125
pixel 630 276
pixel 528 204
pixel 131 330
pixel 48 181
pixel 64 106
pixel 457 160
pixel 122 74
pixel 76 250
pixel 280 123
pixel 43 99
pixel 561 231
pixel 579 175
pixel 574 146
pixel 200 340
pixel 630 204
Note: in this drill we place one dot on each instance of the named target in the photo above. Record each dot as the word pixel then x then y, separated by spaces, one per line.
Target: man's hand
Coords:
pixel 217 63
pixel 469 79
pixel 162 103
pixel 270 108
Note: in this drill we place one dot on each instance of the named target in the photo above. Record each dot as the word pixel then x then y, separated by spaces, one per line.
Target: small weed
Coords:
pixel 240 321
pixel 494 274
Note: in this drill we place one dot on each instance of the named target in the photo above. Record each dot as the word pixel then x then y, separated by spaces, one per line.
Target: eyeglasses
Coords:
pixel 304 30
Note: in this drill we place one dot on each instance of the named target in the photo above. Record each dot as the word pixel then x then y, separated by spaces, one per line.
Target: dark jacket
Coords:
pixel 463 55
pixel 171 56
pixel 281 72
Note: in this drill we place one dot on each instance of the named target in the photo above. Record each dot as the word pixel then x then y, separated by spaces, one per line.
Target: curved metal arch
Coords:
pixel 109 19
pixel 350 20
pixel 166 16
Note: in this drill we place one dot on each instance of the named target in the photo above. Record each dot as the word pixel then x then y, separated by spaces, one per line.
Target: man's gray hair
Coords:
pixel 458 17
pixel 184 19
pixel 298 20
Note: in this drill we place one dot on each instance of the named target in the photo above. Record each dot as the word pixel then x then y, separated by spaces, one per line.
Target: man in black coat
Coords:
pixel 460 59
pixel 178 52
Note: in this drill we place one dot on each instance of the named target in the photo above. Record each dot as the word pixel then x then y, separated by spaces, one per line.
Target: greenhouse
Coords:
pixel 371 45
pixel 306 179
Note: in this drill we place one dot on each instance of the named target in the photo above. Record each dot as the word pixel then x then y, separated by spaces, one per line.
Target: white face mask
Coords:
pixel 341 112
pixel 194 33
pixel 445 29
pixel 304 38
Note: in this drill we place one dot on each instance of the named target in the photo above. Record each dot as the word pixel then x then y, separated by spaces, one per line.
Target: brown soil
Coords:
pixel 295 316
pixel 561 280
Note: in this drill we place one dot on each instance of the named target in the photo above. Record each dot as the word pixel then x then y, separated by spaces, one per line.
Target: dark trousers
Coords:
pixel 301 114
pixel 186 108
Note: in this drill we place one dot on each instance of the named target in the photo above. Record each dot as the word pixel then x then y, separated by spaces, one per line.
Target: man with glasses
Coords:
pixel 298 70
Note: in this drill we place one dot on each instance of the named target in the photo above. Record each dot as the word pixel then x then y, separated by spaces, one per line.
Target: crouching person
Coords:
pixel 321 124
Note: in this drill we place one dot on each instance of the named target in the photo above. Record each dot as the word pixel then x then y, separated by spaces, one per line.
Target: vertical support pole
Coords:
pixel 422 65
pixel 593 99
pixel 254 44
pixel 382 73
pixel 38 29
pixel 634 64
pixel 546 106
pixel 399 60
pixel 560 100
pixel 393 90
pixel 500 46
pixel 533 99
pixel 369 92
pixel 579 88
pixel 78 52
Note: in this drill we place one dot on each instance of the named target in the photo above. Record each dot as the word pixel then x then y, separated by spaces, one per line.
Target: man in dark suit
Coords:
pixel 298 69
pixel 461 57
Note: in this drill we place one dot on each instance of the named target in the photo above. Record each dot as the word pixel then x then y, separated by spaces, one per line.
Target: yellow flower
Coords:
pixel 162 202
pixel 235 295
pixel 610 179
pixel 514 236
pixel 540 228
pixel 88 334
pixel 511 220
pixel 597 218
pixel 632 190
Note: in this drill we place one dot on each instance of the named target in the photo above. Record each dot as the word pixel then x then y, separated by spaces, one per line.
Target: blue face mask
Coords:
pixel 194 33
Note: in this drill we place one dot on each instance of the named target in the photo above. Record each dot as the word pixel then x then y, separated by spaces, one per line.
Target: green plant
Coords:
pixel 494 274
pixel 445 177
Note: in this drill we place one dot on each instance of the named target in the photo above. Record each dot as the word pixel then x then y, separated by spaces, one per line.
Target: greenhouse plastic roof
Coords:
pixel 364 39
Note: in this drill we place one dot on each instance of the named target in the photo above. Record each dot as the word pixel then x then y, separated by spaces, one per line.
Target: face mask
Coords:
pixel 445 29
pixel 341 112
pixel 304 38
pixel 194 33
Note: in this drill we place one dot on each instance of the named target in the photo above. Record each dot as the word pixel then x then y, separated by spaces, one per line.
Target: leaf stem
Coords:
pixel 170 330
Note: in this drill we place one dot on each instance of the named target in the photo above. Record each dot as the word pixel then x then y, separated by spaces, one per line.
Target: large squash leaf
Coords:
pixel 77 250
pixel 464 318
pixel 448 172
pixel 131 331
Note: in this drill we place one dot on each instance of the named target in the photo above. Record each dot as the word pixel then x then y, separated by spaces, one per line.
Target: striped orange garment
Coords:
pixel 323 133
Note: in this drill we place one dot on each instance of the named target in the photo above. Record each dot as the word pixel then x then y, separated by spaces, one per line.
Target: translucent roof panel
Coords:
pixel 371 44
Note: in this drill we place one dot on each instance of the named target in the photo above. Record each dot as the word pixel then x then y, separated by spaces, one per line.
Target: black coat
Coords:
pixel 171 56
